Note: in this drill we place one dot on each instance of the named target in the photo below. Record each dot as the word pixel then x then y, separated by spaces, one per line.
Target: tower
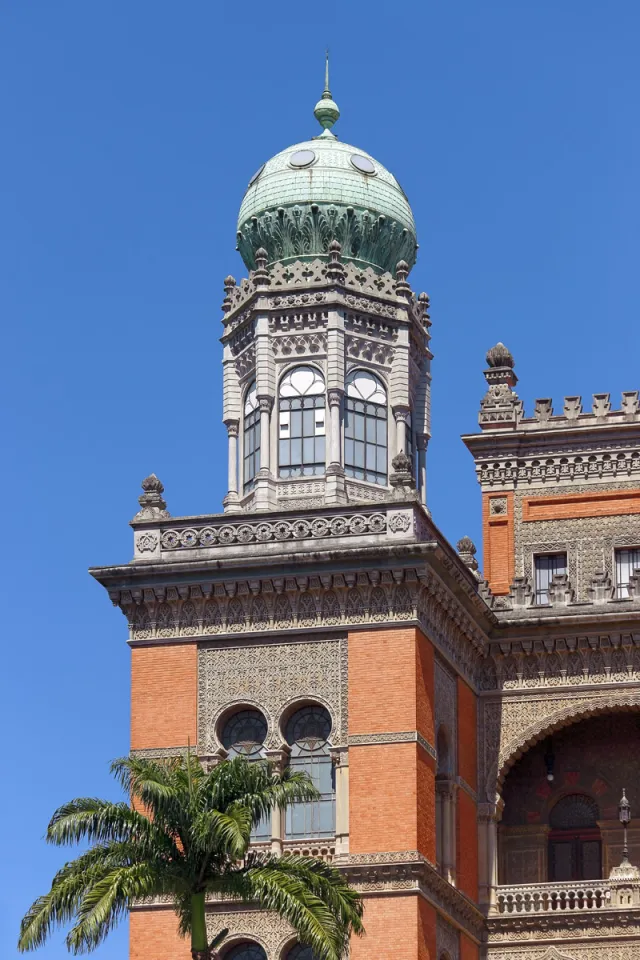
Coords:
pixel 322 620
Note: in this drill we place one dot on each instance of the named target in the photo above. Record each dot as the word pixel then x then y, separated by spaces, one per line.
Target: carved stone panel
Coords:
pixel 271 677
pixel 446 709
pixel 256 926
pixel 447 941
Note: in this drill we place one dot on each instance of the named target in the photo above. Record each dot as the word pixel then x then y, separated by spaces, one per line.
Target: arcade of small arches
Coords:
pixel 307 733
pixel 360 425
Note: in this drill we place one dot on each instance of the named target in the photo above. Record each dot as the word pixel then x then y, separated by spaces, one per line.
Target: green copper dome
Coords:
pixel 322 190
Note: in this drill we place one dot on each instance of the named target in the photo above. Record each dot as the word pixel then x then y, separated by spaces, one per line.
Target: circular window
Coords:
pixel 257 174
pixel 302 158
pixel 309 729
pixel 363 164
pixel 244 733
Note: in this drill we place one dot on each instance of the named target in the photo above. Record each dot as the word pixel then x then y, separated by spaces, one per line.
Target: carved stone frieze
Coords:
pixel 245 532
pixel 271 677
pixel 562 661
pixel 374 351
pixel 299 345
pixel 605 950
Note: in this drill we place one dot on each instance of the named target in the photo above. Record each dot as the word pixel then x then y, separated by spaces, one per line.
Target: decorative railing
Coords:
pixel 554 897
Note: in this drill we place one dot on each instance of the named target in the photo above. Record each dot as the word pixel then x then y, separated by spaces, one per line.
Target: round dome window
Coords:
pixel 302 158
pixel 363 164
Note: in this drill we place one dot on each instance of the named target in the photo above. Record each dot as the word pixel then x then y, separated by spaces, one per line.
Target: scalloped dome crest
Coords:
pixel 322 190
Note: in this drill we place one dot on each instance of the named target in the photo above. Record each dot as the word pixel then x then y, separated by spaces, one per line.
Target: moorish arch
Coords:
pixel 529 723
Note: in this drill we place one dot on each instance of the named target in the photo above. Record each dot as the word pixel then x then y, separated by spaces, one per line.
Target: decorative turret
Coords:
pixel 322 190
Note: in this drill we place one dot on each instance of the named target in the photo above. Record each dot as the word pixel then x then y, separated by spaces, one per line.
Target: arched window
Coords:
pixel 243 735
pixel 246 951
pixel 307 734
pixel 574 839
pixel 251 438
pixel 300 952
pixel 301 423
pixel 365 428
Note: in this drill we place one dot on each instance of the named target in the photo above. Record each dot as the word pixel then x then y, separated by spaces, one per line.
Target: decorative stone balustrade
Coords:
pixel 187 537
pixel 585 895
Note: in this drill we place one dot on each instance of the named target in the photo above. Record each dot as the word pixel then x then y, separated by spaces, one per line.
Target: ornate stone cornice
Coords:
pixel 404 736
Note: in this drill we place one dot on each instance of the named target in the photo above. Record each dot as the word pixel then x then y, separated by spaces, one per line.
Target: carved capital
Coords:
pixel 265 402
pixel 233 427
pixel 335 395
pixel 401 412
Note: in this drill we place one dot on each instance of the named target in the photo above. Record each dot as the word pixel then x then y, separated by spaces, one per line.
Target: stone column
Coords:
pixel 266 405
pixel 265 486
pixel 340 758
pixel 335 396
pixel 335 490
pixel 421 443
pixel 488 816
pixel 401 415
pixel 447 810
pixel 232 499
pixel 279 758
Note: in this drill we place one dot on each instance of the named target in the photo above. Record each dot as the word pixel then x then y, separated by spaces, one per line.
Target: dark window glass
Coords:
pixel 299 952
pixel 246 951
pixel 307 734
pixel 574 840
pixel 251 439
pixel 546 567
pixel 243 736
pixel 626 562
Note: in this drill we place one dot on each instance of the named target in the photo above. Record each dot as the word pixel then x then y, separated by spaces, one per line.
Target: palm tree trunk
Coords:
pixel 199 942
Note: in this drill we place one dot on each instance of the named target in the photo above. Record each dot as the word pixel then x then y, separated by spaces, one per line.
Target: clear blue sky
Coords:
pixel 130 130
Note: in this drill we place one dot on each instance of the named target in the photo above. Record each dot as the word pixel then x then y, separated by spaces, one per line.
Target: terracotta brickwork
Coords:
pixel 467 734
pixel 164 683
pixel 392 785
pixel 466 813
pixel 498 539
pixel 154 934
pixel 599 503
pixel 468 949
pixel 397 927
pixel 390 682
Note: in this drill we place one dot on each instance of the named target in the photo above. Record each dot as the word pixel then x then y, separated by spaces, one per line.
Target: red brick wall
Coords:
pixel 391 786
pixel 499 544
pixel 396 927
pixel 153 935
pixel 468 949
pixel 598 503
pixel 467 734
pixel 466 813
pixel 164 685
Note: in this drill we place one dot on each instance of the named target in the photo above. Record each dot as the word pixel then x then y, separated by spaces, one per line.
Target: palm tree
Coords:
pixel 191 840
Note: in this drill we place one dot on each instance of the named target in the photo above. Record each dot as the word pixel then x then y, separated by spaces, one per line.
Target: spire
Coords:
pixel 326 109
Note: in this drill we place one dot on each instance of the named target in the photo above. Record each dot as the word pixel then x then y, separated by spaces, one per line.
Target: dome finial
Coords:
pixel 326 109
